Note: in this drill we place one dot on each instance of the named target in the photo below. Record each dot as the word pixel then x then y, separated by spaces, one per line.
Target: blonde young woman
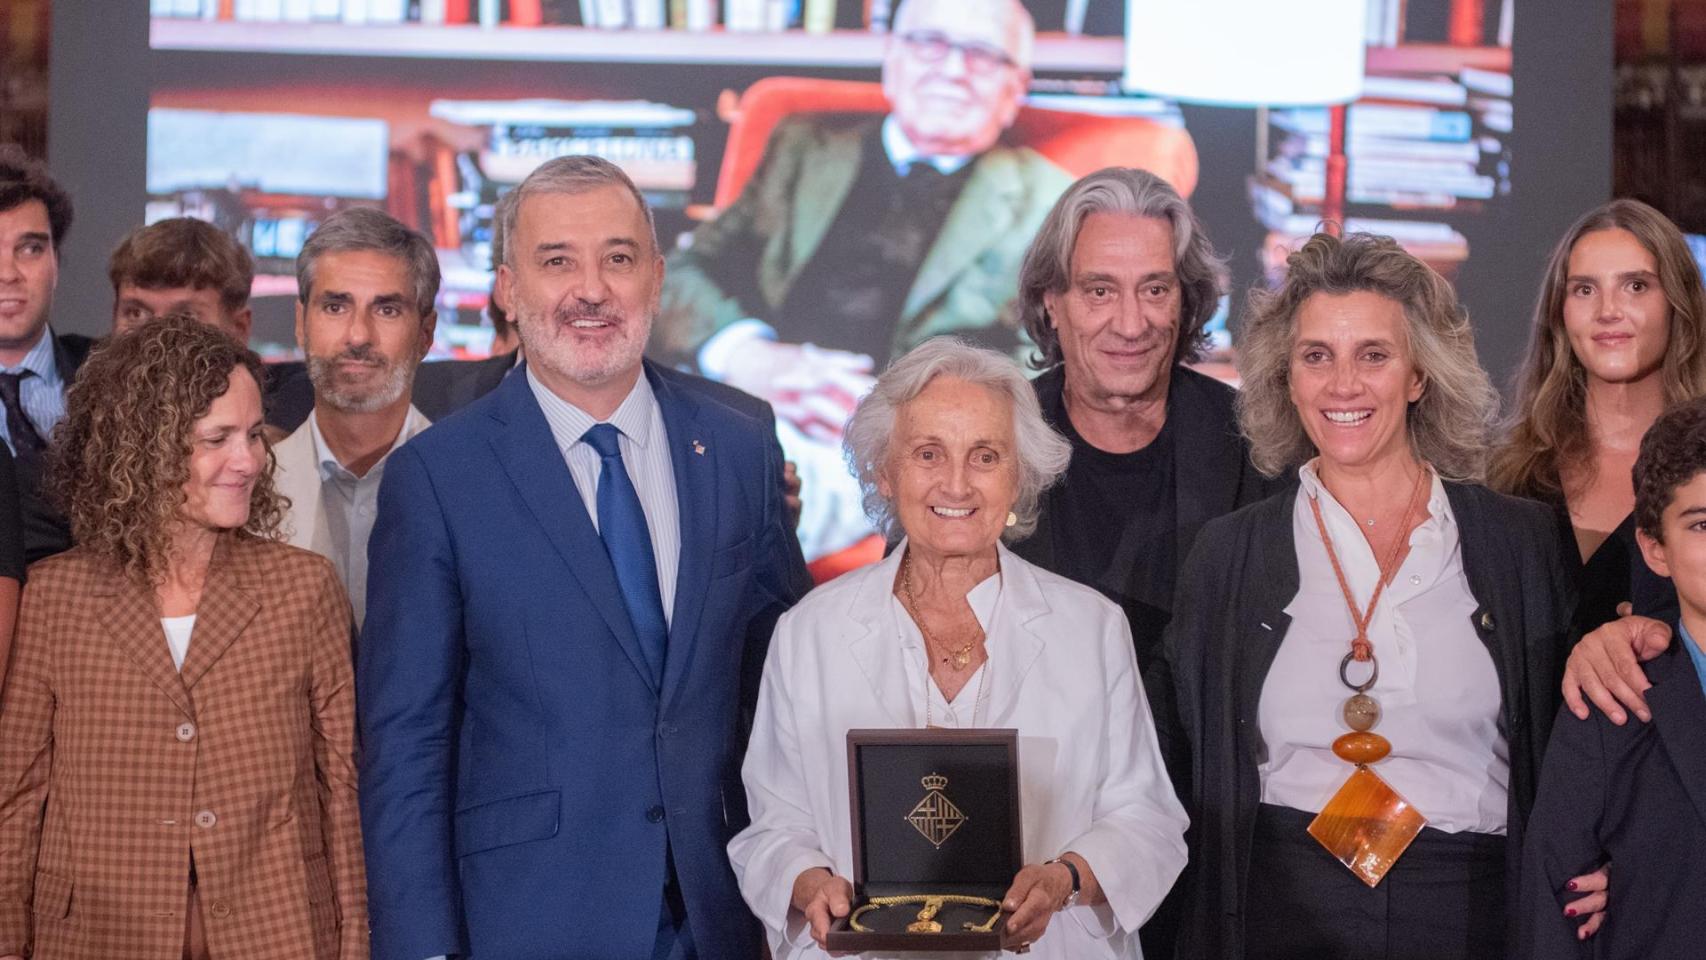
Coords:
pixel 1619 336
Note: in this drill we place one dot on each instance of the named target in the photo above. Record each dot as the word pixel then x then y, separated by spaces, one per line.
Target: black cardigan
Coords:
pixel 1228 621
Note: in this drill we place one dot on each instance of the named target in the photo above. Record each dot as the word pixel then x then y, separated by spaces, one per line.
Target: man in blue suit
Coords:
pixel 572 584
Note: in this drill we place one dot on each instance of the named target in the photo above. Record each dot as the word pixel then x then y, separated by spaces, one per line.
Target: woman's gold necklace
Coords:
pixel 960 657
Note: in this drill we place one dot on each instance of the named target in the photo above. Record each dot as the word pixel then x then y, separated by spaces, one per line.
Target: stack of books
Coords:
pixel 651 142
pixel 1422 151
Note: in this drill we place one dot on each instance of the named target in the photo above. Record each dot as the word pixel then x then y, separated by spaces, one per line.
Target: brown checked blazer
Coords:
pixel 117 768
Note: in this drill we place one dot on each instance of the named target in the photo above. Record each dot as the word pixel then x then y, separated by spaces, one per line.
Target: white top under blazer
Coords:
pixel 1438 689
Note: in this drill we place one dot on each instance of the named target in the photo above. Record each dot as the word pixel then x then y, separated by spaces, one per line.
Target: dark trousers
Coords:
pixel 1443 900
pixel 674 940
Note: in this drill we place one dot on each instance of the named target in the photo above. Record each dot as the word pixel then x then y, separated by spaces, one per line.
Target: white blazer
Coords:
pixel 296 474
pixel 1061 671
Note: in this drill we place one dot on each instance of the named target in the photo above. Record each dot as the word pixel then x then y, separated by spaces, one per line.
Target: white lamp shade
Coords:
pixel 1247 52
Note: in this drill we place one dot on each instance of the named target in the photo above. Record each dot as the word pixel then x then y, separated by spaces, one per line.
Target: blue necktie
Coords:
pixel 622 526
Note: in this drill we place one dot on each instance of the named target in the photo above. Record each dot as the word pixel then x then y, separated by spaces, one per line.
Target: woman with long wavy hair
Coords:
pixel 177 771
pixel 1619 336
pixel 1362 667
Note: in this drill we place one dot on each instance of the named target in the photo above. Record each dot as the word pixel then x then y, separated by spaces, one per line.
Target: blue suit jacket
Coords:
pixel 523 782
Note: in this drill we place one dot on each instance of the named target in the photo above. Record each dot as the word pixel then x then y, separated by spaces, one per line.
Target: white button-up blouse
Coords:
pixel 1438 688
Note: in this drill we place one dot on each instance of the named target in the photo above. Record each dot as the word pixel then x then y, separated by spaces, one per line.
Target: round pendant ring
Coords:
pixel 1344 673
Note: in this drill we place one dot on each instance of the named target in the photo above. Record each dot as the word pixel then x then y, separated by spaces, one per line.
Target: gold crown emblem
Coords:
pixel 935 817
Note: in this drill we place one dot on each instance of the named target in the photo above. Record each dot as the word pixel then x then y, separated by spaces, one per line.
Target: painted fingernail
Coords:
pixel 1569 911
pixel 1570 886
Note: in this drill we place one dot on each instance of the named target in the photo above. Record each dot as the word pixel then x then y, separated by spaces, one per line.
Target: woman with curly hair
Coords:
pixel 1384 636
pixel 176 731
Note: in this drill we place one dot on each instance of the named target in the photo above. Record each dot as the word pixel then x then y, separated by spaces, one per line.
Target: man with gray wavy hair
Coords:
pixel 1115 292
pixel 365 315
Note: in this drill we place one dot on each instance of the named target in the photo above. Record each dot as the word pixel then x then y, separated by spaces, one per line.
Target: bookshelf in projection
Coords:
pixel 459 142
pixel 1427 145
pixel 849 48
pixel 440 106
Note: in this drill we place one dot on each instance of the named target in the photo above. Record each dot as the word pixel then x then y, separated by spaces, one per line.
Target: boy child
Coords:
pixel 1635 795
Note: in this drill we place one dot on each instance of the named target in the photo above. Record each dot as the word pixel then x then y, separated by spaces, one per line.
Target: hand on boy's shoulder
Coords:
pixel 1605 667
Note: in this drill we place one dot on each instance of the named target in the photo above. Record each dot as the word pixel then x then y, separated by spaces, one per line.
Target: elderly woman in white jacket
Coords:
pixel 953 630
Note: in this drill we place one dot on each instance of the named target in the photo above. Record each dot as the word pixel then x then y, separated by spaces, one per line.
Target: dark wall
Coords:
pixel 97 136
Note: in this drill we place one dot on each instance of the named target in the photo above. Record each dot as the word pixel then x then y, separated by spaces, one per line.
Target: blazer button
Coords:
pixel 205 819
pixel 220 909
pixel 666 729
pixel 186 732
pixel 1487 620
pixel 655 814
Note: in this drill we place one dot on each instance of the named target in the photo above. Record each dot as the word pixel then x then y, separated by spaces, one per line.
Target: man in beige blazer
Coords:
pixel 364 317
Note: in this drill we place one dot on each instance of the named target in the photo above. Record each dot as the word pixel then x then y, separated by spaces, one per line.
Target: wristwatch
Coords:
pixel 1071 898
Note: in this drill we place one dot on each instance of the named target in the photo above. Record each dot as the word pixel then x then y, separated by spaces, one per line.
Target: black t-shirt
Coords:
pixel 1113 528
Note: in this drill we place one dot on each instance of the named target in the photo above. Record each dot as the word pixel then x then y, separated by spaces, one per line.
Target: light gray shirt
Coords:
pixel 645 455
pixel 351 503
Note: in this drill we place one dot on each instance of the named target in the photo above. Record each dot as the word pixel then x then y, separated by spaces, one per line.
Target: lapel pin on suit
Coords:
pixel 698 448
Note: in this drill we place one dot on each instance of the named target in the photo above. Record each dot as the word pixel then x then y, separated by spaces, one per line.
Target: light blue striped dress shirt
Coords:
pixel 43 395
pixel 645 453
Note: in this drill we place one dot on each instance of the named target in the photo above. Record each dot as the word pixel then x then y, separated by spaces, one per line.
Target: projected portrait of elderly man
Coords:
pixel 861 235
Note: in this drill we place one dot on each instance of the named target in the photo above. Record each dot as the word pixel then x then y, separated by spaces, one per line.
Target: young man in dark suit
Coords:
pixel 1634 795
pixel 36 366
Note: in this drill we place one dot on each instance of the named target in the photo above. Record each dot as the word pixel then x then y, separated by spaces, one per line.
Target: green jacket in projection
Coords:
pixel 744 263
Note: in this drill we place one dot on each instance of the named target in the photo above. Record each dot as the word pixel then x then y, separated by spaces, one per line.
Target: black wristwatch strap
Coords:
pixel 1069 869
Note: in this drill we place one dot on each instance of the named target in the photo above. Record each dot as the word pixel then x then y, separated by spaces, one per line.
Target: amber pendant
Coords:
pixel 1367 825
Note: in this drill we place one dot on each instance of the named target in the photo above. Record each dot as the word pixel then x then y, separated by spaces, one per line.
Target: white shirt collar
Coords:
pixel 328 462
pixel 1439 508
pixel 633 417
pixel 903 153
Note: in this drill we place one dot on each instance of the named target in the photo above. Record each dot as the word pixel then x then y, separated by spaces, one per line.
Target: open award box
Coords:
pixel 936 839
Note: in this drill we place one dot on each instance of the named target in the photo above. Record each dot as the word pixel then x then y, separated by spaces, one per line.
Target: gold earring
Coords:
pixel 1012 519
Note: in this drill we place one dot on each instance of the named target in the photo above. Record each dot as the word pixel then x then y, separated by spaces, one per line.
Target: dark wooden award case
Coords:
pixel 892 857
